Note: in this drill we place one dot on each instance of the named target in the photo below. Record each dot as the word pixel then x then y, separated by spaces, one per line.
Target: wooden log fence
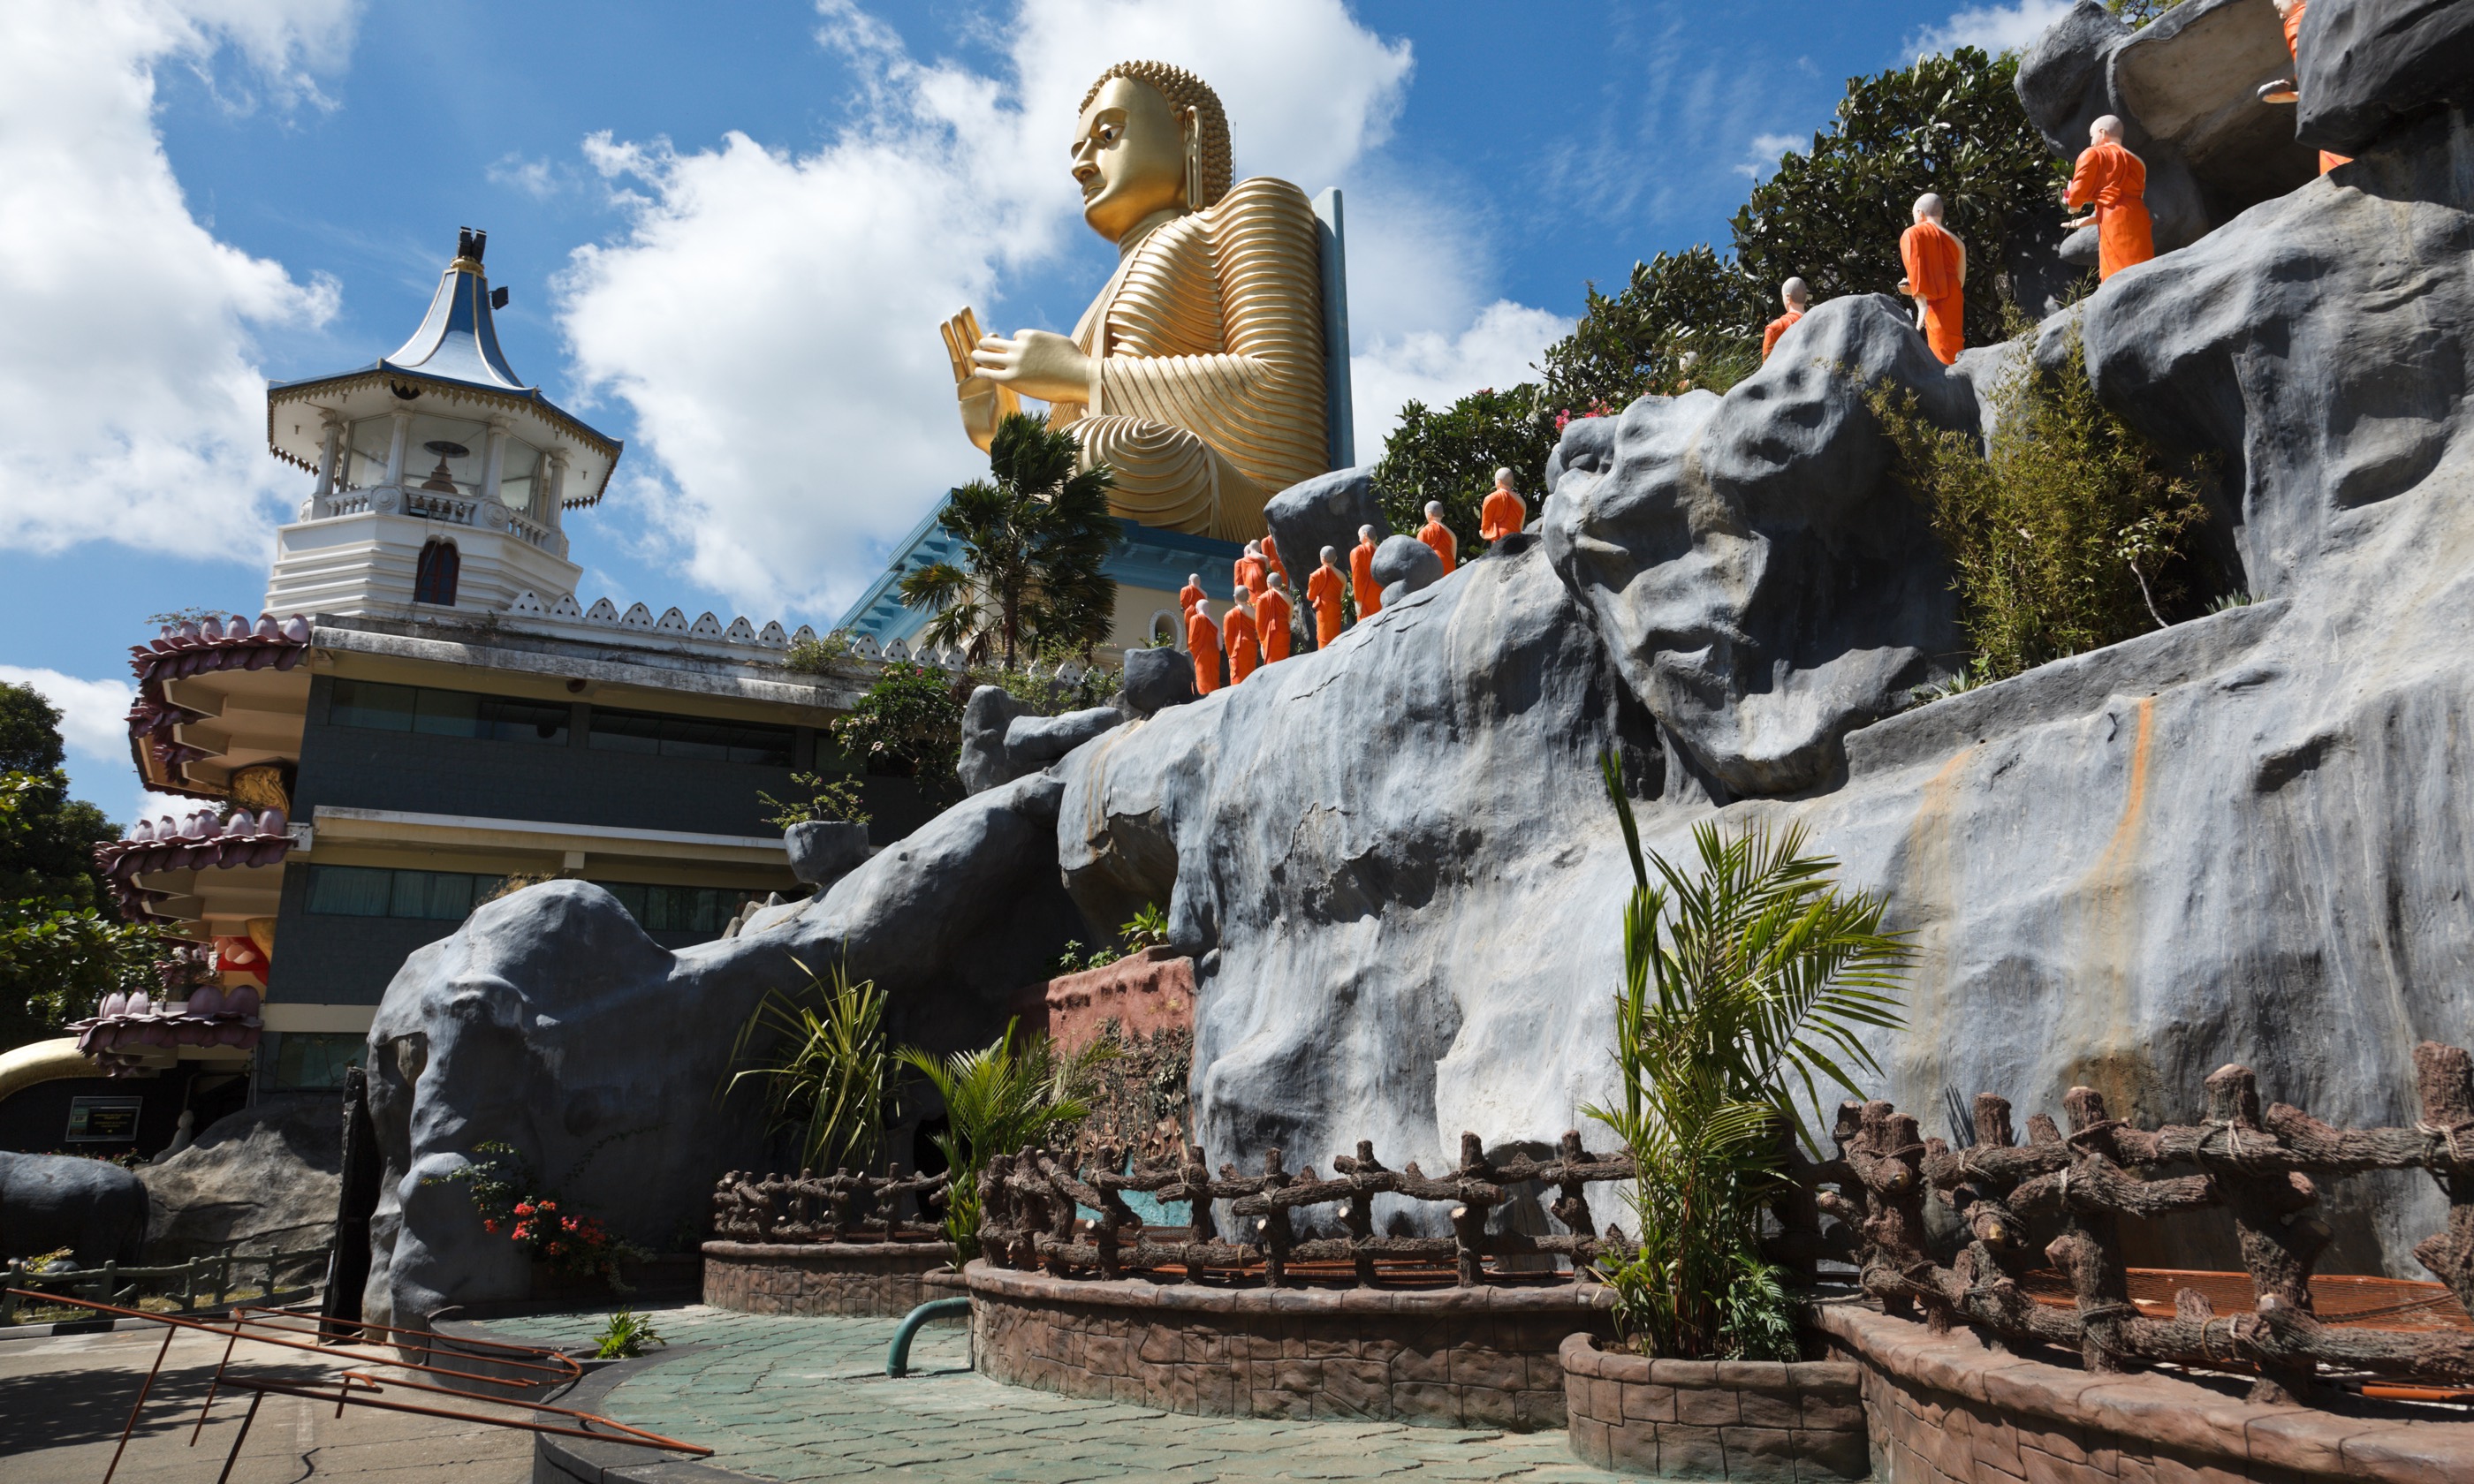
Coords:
pixel 843 1206
pixel 2262 1167
pixel 200 1284
pixel 1030 1205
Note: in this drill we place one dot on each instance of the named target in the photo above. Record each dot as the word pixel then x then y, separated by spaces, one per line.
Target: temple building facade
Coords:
pixel 426 715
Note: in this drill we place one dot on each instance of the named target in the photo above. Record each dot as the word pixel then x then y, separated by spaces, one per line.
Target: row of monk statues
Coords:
pixel 1255 630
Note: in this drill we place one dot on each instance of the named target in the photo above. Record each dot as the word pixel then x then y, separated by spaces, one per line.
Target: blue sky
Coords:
pixel 729 231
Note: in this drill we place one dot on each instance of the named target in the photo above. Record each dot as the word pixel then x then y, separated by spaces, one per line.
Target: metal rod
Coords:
pixel 212 1385
pixel 239 1438
pixel 143 1391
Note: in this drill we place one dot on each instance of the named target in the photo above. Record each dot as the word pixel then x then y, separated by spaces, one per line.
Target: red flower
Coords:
pixel 523 1208
pixel 489 1226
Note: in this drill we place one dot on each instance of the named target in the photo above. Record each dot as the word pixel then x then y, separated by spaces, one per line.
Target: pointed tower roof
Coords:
pixel 452 358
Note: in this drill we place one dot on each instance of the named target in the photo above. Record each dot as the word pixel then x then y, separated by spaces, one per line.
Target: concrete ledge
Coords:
pixel 880 1280
pixel 1451 1357
pixel 1947 1407
pixel 561 1460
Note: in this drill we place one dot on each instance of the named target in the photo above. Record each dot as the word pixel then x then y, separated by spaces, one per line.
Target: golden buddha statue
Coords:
pixel 1198 374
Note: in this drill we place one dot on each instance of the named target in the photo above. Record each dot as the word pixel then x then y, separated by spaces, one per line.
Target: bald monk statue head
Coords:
pixel 1794 297
pixel 1196 374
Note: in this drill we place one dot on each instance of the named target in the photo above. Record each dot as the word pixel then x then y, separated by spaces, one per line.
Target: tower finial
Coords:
pixel 469 241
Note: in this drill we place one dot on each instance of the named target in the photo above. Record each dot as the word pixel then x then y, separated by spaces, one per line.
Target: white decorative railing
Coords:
pixel 459 510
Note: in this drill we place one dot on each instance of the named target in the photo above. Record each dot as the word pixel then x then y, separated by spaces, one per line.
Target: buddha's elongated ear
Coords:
pixel 1192 128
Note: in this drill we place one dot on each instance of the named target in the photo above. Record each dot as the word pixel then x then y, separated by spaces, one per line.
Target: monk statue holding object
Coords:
pixel 2289 91
pixel 1196 376
pixel 1439 536
pixel 1936 264
pixel 1361 575
pixel 1272 613
pixel 1793 297
pixel 1272 555
pixel 2112 182
pixel 1504 511
pixel 1322 594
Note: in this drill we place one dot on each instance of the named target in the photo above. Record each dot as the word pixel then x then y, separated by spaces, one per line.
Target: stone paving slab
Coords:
pixel 798 1398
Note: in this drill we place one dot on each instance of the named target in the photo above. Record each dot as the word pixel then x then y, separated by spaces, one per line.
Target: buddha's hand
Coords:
pixel 983 403
pixel 1040 363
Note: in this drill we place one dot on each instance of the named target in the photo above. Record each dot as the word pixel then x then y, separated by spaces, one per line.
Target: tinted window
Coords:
pixel 688 736
pixel 446 714
pixel 376 891
pixel 351 890
pixel 677 909
pixel 315 1059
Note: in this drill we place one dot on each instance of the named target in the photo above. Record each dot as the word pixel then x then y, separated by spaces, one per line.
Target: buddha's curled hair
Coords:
pixel 1185 90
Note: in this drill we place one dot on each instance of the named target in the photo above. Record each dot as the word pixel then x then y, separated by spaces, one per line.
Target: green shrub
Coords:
pixel 1450 456
pixel 625 1336
pixel 908 725
pixel 828 1079
pixel 817 657
pixel 998 1100
pixel 830 801
pixel 2067 534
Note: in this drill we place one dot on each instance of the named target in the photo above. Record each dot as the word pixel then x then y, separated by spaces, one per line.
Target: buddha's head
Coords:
pixel 1151 138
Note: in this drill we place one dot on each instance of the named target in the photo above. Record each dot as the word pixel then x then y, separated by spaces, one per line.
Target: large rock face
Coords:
pixel 95 1209
pixel 2367 68
pixel 261 1179
pixel 549 1021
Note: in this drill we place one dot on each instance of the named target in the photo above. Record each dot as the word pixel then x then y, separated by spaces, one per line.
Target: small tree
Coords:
pixel 1032 542
pixel 828 1079
pixel 909 726
pixel 1742 981
pixel 1451 456
pixel 1000 1099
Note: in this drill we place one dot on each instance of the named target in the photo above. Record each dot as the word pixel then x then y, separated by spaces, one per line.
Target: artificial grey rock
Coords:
pixel 2369 69
pixel 2184 87
pixel 985 716
pixel 95 1209
pixel 1033 742
pixel 1324 511
pixel 1156 678
pixel 1407 563
pixel 822 851
pixel 1765 588
pixel 2240 839
pixel 261 1180
pixel 549 1021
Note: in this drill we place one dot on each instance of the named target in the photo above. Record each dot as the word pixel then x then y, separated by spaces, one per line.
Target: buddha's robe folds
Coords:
pixel 1323 591
pixel 1209 337
pixel 1361 577
pixel 1279 569
pixel 1187 596
pixel 1250 574
pixel 2293 48
pixel 1203 642
pixel 1771 331
pixel 1272 614
pixel 1937 276
pixel 1503 514
pixel 2115 182
pixel 1245 648
pixel 1439 536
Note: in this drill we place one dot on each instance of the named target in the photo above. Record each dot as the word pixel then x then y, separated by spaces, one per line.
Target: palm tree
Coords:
pixel 1741 983
pixel 1000 1099
pixel 1034 543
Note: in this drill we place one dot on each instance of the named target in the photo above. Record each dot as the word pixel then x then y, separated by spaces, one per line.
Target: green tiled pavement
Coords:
pixel 808 1399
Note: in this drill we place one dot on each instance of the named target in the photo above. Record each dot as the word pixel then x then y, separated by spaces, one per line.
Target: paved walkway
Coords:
pixel 808 1399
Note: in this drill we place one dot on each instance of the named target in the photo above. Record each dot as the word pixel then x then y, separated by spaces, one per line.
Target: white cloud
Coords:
pixel 94 714
pixel 1762 156
pixel 1498 351
pixel 131 409
pixel 770 316
pixel 1993 28
pixel 535 177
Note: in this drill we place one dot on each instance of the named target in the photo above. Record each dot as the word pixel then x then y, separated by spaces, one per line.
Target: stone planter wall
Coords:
pixel 1762 1422
pixel 1477 1358
pixel 882 1278
pixel 1945 1409
pixel 1144 992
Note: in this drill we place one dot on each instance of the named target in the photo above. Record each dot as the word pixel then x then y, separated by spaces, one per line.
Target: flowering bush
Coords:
pixel 503 1190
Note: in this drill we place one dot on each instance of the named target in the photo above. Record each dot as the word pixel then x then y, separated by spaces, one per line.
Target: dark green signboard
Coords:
pixel 104 1120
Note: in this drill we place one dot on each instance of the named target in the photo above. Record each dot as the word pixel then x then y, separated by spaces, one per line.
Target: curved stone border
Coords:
pixel 1455 1358
pixel 1765 1422
pixel 873 1279
pixel 561 1460
pixel 1947 1407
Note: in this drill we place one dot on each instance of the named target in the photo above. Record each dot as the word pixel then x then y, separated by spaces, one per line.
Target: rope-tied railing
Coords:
pixel 843 1206
pixel 2262 1167
pixel 1030 1204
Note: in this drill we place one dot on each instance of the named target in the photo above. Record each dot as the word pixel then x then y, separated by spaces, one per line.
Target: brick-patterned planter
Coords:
pixel 1945 1409
pixel 1144 992
pixel 822 1278
pixel 1760 1421
pixel 1451 1357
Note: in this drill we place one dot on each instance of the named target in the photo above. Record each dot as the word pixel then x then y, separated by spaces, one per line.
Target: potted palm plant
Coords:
pixel 1747 982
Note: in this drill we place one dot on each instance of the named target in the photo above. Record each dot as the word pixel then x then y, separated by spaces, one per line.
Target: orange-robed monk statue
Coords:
pixel 1793 297
pixel 1936 264
pixel 1273 612
pixel 1238 632
pixel 2114 182
pixel 1272 557
pixel 1361 575
pixel 1203 642
pixel 1439 536
pixel 1322 592
pixel 1191 593
pixel 1250 567
pixel 1504 511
